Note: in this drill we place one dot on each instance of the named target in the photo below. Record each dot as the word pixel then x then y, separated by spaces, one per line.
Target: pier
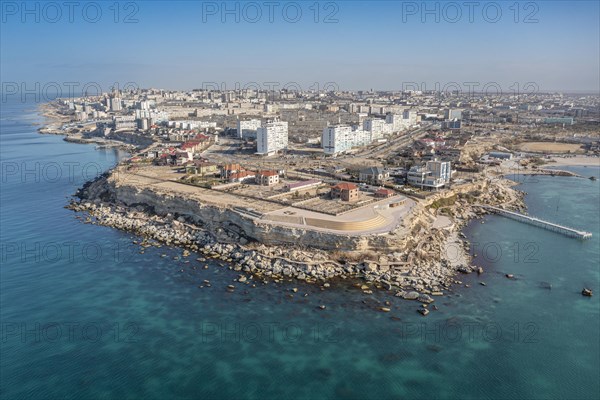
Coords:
pixel 570 232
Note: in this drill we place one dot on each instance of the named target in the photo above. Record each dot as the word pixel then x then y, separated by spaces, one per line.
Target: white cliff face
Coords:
pixel 216 219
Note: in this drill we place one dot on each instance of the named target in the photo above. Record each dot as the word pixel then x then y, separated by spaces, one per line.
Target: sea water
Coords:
pixel 86 313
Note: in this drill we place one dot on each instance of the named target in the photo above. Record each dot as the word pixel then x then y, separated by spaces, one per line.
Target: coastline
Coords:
pixel 421 266
pixel 53 126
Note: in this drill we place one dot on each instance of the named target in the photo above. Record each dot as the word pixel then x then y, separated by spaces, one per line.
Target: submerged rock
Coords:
pixel 411 296
pixel 423 298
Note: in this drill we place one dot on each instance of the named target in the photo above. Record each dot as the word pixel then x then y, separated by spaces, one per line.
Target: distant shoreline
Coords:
pixel 577 161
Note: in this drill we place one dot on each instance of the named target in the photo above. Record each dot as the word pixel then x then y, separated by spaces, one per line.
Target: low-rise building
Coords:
pixel 267 178
pixel 303 185
pixel 501 155
pixel 201 167
pixel 229 169
pixel 345 191
pixel 384 193
pixel 373 175
pixel 242 176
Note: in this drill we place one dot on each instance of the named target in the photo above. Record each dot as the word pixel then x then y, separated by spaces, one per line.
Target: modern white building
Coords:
pixel 125 122
pixel 191 124
pixel 248 128
pixel 272 137
pixel 336 139
pixel 340 138
pixel 115 104
pixel 376 128
pixel 452 113
pixel 400 122
pixel 434 175
pixel 440 169
pixel 409 117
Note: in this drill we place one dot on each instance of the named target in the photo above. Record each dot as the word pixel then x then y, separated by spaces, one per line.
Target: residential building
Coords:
pixel 242 176
pixel 384 193
pixel 303 185
pixel 341 138
pixel 410 118
pixel 434 175
pixel 272 137
pixel 345 191
pixel 115 104
pixel 247 129
pixel 373 175
pixel 376 128
pixel 440 169
pixel 125 122
pixel 201 167
pixel 229 169
pixel 559 120
pixel 452 113
pixel 267 178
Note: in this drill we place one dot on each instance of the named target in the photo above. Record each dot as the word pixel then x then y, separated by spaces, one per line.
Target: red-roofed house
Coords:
pixel 345 191
pixel 229 169
pixel 267 178
pixel 384 193
pixel 242 176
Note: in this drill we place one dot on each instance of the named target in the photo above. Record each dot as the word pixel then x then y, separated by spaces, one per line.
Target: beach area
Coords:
pixel 584 161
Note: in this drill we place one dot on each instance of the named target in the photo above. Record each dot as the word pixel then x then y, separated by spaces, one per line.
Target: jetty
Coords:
pixel 565 230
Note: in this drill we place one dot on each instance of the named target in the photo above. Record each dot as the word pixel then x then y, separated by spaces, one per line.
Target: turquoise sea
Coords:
pixel 85 315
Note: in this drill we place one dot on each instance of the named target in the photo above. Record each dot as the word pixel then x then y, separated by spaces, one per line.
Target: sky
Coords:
pixel 351 45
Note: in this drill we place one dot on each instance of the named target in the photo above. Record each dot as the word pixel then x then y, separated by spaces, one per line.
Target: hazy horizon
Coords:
pixel 357 46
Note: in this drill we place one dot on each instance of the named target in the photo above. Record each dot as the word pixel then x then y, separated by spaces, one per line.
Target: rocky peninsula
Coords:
pixel 417 255
pixel 423 262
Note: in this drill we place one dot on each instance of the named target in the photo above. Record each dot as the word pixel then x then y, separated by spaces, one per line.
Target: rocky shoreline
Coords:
pixel 426 265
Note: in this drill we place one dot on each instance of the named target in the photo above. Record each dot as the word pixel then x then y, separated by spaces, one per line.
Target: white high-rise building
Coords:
pixel 409 117
pixel 376 128
pixel 452 113
pixel 115 104
pixel 340 138
pixel 248 128
pixel 335 139
pixel 272 137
